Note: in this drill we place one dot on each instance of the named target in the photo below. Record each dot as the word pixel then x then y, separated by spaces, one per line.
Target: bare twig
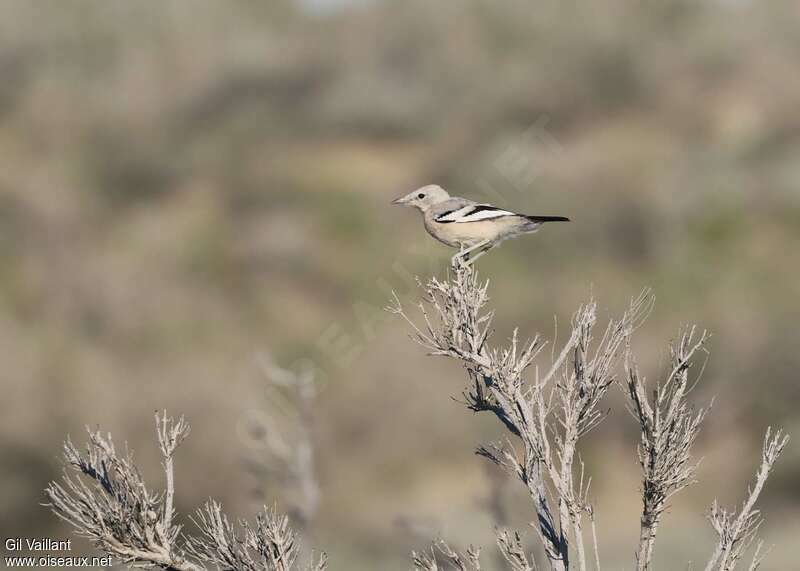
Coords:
pixel 510 545
pixel 669 427
pixel 429 560
pixel 737 531
pixel 170 436
pixel 594 540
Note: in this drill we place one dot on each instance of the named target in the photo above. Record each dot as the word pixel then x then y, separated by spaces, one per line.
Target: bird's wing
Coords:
pixel 471 212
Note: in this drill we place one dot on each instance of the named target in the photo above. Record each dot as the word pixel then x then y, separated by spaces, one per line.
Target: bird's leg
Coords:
pixel 479 254
pixel 463 254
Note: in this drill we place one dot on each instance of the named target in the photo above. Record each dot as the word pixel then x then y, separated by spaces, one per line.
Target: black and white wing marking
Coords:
pixel 472 213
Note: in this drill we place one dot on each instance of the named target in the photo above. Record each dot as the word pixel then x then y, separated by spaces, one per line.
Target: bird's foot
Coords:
pixel 465 257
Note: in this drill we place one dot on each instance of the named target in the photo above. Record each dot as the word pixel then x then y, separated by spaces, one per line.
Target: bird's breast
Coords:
pixel 441 232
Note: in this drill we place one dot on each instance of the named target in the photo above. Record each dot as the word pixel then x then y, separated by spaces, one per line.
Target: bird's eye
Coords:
pixel 421 195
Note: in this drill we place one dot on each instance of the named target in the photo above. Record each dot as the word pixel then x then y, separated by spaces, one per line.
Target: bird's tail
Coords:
pixel 540 219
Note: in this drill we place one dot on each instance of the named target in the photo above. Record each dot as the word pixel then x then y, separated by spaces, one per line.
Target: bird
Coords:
pixel 474 228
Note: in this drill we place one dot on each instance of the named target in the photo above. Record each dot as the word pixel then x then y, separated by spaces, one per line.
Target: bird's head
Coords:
pixel 423 198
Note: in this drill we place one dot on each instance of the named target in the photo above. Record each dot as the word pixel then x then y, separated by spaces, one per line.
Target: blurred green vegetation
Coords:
pixel 188 184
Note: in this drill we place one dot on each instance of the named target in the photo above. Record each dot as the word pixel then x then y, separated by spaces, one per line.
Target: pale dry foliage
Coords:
pixel 547 413
pixel 738 530
pixel 429 561
pixel 271 544
pixel 669 427
pixel 109 503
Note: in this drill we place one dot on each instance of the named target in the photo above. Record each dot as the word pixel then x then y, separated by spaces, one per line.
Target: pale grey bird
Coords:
pixel 468 225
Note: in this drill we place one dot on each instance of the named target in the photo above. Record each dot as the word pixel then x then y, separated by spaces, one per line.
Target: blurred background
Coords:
pixel 189 186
